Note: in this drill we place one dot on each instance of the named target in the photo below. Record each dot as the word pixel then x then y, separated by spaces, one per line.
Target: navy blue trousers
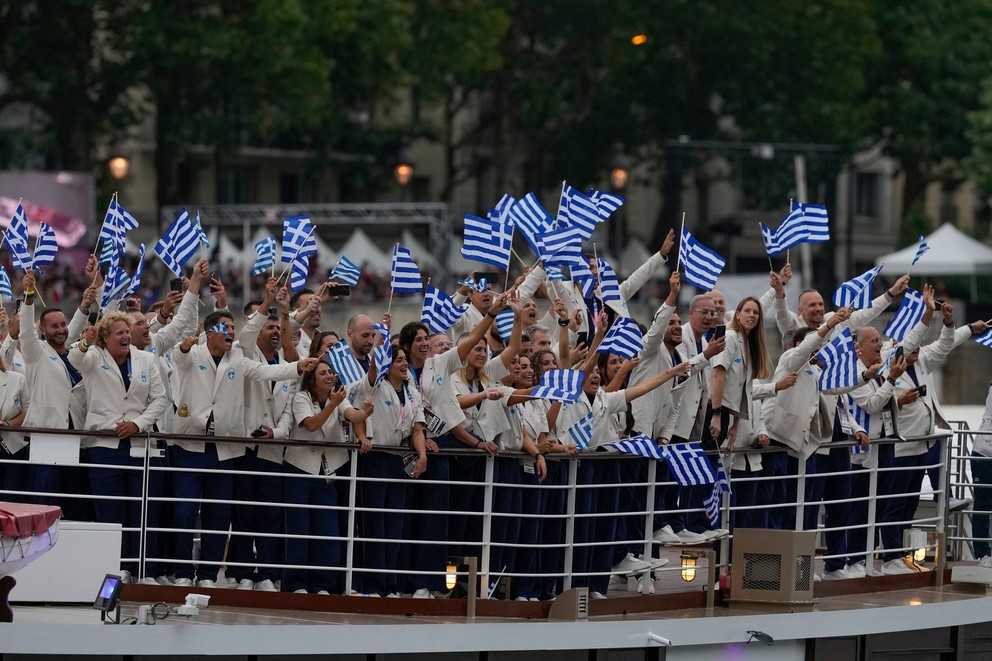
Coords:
pixel 190 488
pixel 248 549
pixel 300 488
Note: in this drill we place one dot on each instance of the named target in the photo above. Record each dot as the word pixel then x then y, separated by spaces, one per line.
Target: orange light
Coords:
pixel 639 39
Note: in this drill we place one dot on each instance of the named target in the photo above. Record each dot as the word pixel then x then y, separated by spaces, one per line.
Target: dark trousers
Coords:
pixel 630 527
pixel 981 473
pixel 430 526
pixel 594 559
pixel 666 500
pixel 192 487
pixel 527 560
pixel 785 490
pixel 507 505
pixel 905 484
pixel 835 515
pixel 301 488
pixel 247 549
pixel 377 525
pixel 747 493
pixel 15 476
pixel 552 560
pixel 465 524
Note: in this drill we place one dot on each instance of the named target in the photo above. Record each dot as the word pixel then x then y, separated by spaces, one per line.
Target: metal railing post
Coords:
pixel 487 520
pixel 649 509
pixel 870 531
pixel 349 571
pixel 573 474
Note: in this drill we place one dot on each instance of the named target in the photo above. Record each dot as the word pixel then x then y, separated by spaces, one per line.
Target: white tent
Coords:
pixel 360 249
pixel 634 254
pixel 423 257
pixel 952 252
pixel 458 265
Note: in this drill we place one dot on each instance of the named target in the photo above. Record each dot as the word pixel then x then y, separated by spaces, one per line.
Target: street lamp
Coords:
pixel 403 170
pixel 119 162
pixel 619 169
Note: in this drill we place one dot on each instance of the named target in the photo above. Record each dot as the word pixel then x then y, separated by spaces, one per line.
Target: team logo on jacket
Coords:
pixel 738 360
pixel 54 359
pixel 389 402
pixel 439 379
pixel 231 374
pixel 285 387
pixel 144 378
pixel 810 372
pixel 105 367
pixel 203 368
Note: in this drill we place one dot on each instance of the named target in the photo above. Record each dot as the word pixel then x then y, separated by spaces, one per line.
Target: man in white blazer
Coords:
pixel 211 402
pixel 124 395
pixel 52 381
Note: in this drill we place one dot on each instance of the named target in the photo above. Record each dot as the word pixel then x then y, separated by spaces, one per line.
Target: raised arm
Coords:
pixel 481 328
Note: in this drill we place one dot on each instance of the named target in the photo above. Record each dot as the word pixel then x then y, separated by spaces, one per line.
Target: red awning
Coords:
pixel 20 520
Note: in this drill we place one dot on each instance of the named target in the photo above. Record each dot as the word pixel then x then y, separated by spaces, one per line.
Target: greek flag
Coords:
pixel 609 285
pixel 297 239
pixel 856 292
pixel 117 279
pixel 117 222
pixel 504 324
pixel 624 338
pixel 985 339
pixel 578 211
pixel 688 464
pixel 921 250
pixel 554 273
pixel 199 230
pixel 45 246
pixel 265 251
pixel 340 357
pixel 531 219
pixel 472 284
pixel 178 244
pixel 581 432
pixel 562 247
pixel 840 362
pixel 720 487
pixel 404 276
pixel 5 289
pixel 299 271
pixel 346 271
pixel 702 266
pixel 908 315
pixel 219 327
pixel 17 239
pixel 489 240
pixel 560 385
pixel 607 203
pixel 862 417
pixel 641 445
pixel 383 355
pixel 136 280
pixel 439 311
pixel 806 223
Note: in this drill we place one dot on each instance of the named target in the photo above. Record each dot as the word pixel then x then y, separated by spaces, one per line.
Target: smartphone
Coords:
pixel 898 353
pixel 176 284
pixel 258 433
pixel 719 331
pixel 274 312
pixel 939 305
pixel 338 290
pixel 922 390
pixel 214 275
pixel 93 318
pixel 583 338
pixel 17 303
pixel 488 276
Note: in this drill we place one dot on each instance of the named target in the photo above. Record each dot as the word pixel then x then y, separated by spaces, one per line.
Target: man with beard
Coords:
pixel 306 318
pixel 480 298
pixel 812 312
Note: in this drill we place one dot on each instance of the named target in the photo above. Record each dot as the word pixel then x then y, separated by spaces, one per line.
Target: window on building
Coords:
pixel 290 188
pixel 866 194
pixel 237 184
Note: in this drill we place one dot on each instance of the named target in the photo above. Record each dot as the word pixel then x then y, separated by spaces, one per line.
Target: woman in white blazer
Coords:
pixel 125 395
pixel 318 409
pixel 14 401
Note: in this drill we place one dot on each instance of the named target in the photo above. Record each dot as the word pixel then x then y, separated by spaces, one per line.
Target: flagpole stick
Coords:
pixel 678 258
pixel 389 306
pixel 290 265
pixel 96 246
pixel 4 237
pixel 519 258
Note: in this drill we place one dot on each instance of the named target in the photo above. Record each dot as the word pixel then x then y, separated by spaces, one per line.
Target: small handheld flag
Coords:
pixel 340 357
pixel 923 248
pixel 297 239
pixel 346 271
pixel 219 327
pixel 45 246
pixel 265 251
pixel 383 355
pixel 720 487
pixel 531 219
pixel 840 362
pixel 702 265
pixel 5 289
pixel 581 432
pixel 806 223
pixel 439 311
pixel 856 292
pixel 623 339
pixel 178 244
pixel 688 464
pixel 504 324
pixel 641 445
pixel 908 315
pixel 404 276
pixel 136 280
pixel 560 385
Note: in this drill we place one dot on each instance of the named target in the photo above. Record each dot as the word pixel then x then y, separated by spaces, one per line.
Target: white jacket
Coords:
pixel 307 458
pixel 53 397
pixel 14 398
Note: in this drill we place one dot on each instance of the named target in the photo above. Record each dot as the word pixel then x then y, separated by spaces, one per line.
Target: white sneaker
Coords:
pixel 656 563
pixel 665 535
pixel 897 566
pixel 618 583
pixel 596 595
pixel 423 593
pixel 391 595
pixel 246 584
pixel 183 583
pixel 126 576
pixel 856 570
pixel 266 586
pixel 645 585
pixel 710 535
pixel 163 580
pixel 525 598
pixel 148 580
pixel 324 592
pixel 300 591
pixel 688 537
pixel 985 561
pixel 229 582
pixel 836 575
pixel 816 578
pixel 205 583
pixel 533 599
pixel 631 565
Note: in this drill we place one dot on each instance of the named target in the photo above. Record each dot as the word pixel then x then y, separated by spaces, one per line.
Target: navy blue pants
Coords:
pixel 666 500
pixel 300 488
pixel 906 483
pixel 785 490
pixel 981 473
pixel 248 549
pixel 432 556
pixel 190 488
pixel 630 527
pixel 15 477
pixel 835 515
pixel 390 496
pixel 552 560
pixel 747 493
pixel 507 500
pixel 593 559
pixel 527 560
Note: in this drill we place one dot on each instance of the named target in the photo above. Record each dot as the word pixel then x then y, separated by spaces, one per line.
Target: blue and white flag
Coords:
pixel 297 239
pixel 5 289
pixel 688 464
pixel 383 355
pixel 17 239
pixel 504 324
pixel 554 273
pixel 136 279
pixel 265 251
pixel 624 338
pixel 702 265
pixel 479 286
pixel 440 312
pixel 607 203
pixel 299 271
pixel 861 417
pixel 346 271
pixel 581 432
pixel 806 223
pixel 178 244
pixel 578 211
pixel 583 277
pixel 840 362
pixel 531 219
pixel 115 282
pixel 199 231
pixel 404 276
pixel 490 240
pixel 117 222
pixel 46 246
pixel 340 357
pixel 560 385
pixel 219 327
pixel 907 316
pixel 609 287
pixel 924 246
pixel 720 487
pixel 641 445
pixel 856 292
pixel 985 339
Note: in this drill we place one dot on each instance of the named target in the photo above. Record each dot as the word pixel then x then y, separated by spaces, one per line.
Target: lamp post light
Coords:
pixel 619 176
pixel 119 162
pixel 403 170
